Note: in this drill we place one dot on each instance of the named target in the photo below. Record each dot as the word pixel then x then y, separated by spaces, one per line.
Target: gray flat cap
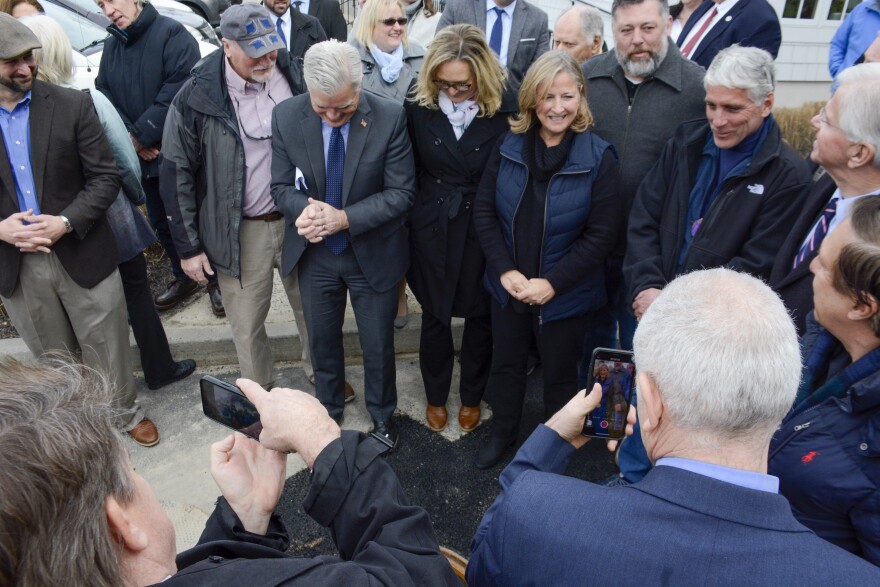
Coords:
pixel 251 25
pixel 15 38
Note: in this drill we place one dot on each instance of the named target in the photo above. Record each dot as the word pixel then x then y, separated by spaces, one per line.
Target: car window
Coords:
pixel 85 36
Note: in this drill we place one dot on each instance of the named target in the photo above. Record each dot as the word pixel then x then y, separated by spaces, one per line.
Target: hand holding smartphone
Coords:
pixel 615 371
pixel 226 404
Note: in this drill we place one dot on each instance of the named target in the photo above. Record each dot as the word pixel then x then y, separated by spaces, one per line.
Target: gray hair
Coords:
pixel 55 57
pixel 858 99
pixel 724 354
pixel 743 68
pixel 330 67
pixel 664 6
pixel 62 459
pixel 591 20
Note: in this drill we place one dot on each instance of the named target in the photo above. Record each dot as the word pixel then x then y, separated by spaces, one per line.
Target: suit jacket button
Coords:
pixel 476 149
pixel 437 141
pixel 438 181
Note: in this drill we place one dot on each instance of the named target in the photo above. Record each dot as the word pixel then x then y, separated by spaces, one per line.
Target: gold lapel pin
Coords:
pixel 363 123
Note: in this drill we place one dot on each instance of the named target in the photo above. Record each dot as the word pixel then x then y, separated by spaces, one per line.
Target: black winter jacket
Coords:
pixel 743 228
pixel 142 75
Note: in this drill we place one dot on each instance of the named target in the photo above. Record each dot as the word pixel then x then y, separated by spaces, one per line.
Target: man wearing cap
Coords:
pixel 58 277
pixel 215 179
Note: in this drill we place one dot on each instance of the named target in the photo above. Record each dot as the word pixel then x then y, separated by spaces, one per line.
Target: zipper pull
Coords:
pixel 800 427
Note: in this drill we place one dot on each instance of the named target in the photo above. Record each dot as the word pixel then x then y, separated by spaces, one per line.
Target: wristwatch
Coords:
pixel 68 227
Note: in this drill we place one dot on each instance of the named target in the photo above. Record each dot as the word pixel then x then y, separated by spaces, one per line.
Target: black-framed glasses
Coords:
pixel 458 86
pixel 241 124
pixel 401 20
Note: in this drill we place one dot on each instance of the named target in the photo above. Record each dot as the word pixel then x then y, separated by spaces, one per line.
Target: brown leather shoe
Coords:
pixel 468 418
pixel 216 299
pixel 145 433
pixel 436 417
pixel 349 392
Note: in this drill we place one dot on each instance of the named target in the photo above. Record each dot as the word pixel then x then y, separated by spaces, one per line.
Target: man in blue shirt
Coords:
pixel 58 277
pixel 718 368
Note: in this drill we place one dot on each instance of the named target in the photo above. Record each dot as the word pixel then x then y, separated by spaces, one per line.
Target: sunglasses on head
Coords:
pixel 390 21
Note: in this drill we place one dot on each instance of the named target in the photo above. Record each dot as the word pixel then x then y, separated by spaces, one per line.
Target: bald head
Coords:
pixel 578 32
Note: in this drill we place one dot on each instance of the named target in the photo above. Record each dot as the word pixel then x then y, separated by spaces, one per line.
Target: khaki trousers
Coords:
pixel 52 313
pixel 247 302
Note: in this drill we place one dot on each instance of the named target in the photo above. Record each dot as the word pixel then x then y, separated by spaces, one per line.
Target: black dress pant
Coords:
pixel 559 343
pixel 437 355
pixel 159 220
pixel 156 360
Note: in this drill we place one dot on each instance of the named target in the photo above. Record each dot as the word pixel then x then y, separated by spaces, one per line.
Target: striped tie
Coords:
pixel 819 233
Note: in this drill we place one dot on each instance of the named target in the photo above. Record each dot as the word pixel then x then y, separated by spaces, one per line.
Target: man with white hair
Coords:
pixel 578 32
pixel 345 205
pixel 724 193
pixel 847 146
pixel 718 367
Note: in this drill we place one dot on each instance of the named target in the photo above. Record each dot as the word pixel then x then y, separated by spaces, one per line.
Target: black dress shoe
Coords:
pixel 182 370
pixel 175 293
pixel 491 451
pixel 216 299
pixel 385 432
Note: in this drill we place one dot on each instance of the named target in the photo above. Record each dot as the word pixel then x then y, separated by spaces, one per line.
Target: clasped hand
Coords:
pixel 536 291
pixel 32 233
pixel 319 220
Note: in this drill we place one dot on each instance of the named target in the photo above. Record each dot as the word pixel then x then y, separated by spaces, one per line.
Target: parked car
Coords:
pixel 197 26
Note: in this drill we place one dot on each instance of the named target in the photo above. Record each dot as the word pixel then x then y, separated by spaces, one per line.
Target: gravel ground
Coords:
pixel 439 476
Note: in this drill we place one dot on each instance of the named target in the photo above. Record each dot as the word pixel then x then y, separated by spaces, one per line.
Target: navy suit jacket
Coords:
pixel 751 23
pixel 795 286
pixel 672 528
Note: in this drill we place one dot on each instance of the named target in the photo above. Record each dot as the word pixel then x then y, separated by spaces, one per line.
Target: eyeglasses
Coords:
pixel 458 86
pixel 241 124
pixel 823 119
pixel 390 21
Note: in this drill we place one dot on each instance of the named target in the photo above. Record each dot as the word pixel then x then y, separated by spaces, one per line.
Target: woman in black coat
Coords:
pixel 454 120
pixel 140 76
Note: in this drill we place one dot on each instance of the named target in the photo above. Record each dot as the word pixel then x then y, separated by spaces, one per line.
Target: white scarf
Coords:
pixel 389 64
pixel 460 115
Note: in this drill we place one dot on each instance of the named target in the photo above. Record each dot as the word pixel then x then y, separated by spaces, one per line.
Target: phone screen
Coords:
pixel 615 371
pixel 225 403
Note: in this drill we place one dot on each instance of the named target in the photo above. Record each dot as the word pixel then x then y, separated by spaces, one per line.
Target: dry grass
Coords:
pixel 796 127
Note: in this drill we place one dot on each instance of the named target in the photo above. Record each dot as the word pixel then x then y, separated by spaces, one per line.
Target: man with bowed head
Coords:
pixel 718 368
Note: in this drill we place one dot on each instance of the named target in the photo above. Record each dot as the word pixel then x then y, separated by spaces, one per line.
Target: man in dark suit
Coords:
pixel 518 38
pixel 344 206
pixel 845 128
pixel 718 24
pixel 58 277
pixel 328 13
pixel 298 31
pixel 719 366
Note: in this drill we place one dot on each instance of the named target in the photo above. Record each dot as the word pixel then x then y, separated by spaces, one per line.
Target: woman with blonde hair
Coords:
pixel 391 64
pixel 454 118
pixel 547 215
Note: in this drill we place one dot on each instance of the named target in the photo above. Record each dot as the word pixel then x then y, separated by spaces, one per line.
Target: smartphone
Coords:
pixel 615 371
pixel 225 403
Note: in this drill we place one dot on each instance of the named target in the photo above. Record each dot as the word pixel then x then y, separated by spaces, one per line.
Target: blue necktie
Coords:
pixel 819 233
pixel 279 24
pixel 333 187
pixel 497 32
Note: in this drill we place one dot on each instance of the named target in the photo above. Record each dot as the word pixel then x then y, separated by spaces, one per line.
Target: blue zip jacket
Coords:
pixel 854 36
pixel 568 206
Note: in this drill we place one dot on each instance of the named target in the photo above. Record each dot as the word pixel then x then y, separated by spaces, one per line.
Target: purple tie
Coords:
pixel 819 233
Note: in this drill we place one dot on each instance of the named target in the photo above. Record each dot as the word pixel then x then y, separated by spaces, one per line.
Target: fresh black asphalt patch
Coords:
pixel 439 475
